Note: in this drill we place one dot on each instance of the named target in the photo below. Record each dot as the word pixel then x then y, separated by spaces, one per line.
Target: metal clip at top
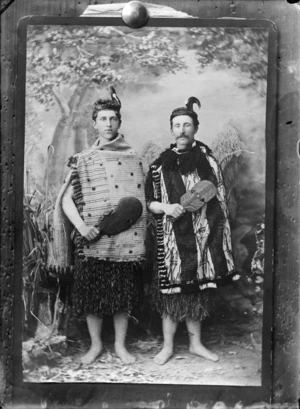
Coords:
pixel 135 14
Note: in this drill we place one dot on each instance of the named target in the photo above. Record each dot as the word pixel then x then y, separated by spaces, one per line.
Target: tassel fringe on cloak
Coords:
pixel 188 263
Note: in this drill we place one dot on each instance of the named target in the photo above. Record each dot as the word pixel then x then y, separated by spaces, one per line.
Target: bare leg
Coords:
pixel 169 329
pixel 94 324
pixel 196 346
pixel 121 324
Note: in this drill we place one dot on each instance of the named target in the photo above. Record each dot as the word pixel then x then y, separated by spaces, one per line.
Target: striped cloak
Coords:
pixel 101 176
pixel 107 274
pixel 193 252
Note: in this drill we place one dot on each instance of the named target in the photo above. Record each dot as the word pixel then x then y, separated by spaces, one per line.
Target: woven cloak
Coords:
pixel 193 252
pixel 101 176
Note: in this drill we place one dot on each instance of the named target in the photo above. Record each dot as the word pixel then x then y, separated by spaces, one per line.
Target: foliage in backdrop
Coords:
pixel 68 66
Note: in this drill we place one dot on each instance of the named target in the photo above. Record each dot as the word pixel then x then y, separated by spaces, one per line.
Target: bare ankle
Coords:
pixel 92 354
pixel 119 345
pixel 164 355
pixel 168 347
pixel 201 350
pixel 124 354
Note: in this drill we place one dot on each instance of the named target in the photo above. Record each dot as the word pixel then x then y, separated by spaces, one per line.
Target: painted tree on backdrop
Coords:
pixel 64 64
pixel 245 49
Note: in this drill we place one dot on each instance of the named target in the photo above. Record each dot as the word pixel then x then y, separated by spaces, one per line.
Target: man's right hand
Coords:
pixel 70 210
pixel 174 210
pixel 88 232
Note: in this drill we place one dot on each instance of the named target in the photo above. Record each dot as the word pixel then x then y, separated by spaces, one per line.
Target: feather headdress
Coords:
pixel 113 104
pixel 114 96
pixel 187 110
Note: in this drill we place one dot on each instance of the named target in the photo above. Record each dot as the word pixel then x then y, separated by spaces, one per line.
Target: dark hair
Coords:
pixel 184 111
pixel 105 104
pixel 187 110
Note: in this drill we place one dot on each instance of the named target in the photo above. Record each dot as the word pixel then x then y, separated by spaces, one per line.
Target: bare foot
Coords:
pixel 124 355
pixel 200 350
pixel 92 354
pixel 163 356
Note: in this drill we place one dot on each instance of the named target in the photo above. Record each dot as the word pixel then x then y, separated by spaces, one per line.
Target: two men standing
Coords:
pixel 193 250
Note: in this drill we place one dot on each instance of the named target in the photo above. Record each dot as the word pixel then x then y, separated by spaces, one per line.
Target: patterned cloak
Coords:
pixel 193 252
pixel 101 176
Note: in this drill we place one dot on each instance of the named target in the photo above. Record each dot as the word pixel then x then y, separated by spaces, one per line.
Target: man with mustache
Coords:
pixel 193 249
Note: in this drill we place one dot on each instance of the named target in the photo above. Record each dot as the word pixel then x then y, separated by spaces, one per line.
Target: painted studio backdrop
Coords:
pixel 154 70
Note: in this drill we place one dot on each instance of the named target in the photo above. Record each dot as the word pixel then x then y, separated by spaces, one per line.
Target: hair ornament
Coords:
pixel 191 101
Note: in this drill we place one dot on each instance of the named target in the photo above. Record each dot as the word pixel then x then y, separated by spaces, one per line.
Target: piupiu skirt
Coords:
pixel 182 307
pixel 104 288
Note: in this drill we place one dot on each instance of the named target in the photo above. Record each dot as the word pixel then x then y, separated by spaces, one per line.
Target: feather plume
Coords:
pixel 114 96
pixel 191 101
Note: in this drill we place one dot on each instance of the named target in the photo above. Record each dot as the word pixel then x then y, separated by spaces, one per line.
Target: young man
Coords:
pixel 107 272
pixel 193 249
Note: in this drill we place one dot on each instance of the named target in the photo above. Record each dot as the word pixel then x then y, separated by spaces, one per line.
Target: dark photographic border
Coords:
pixel 31 393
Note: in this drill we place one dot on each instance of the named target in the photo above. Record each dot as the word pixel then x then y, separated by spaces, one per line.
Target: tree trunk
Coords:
pixel 61 141
pixel 65 139
pixel 80 136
